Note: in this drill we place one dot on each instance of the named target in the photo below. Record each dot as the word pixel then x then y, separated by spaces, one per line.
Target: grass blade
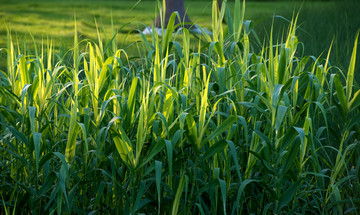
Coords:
pixel 341 94
pixel 220 129
pixel 351 70
pixel 179 191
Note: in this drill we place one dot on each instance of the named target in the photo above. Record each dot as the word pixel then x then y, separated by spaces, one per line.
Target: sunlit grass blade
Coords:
pixel 351 70
pixel 72 134
pixel 176 203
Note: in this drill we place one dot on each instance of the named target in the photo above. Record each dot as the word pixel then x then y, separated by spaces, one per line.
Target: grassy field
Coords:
pixel 42 21
pixel 54 21
pixel 245 121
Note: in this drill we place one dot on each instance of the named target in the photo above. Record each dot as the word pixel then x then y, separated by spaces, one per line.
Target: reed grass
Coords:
pixel 219 129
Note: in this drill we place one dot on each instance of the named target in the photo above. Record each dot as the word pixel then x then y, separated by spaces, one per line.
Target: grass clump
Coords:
pixel 218 129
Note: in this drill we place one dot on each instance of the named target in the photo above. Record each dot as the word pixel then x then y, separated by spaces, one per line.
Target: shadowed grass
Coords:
pixel 231 126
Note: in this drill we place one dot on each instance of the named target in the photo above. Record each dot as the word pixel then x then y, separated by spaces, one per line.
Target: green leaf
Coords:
pixel 140 134
pixel 163 120
pixel 169 31
pixel 169 151
pixel 23 94
pixel 221 77
pixel 63 177
pixel 200 208
pixel 223 193
pixel 277 94
pixel 288 195
pixel 18 135
pixel 291 154
pixel 235 158
pixel 355 102
pixel 24 74
pixel 351 70
pixel 220 129
pixel 241 190
pixel 204 105
pixel 138 202
pixel 72 134
pixel 62 159
pixel 100 193
pixel 229 20
pixel 76 45
pixel 178 48
pixel 48 182
pixel 237 19
pixel 9 115
pixel 154 150
pixel 191 128
pixel 21 158
pixel 215 148
pixel 341 94
pixel 132 98
pixel 32 112
pixel 37 144
pixel 281 112
pixel 179 191
pixel 282 66
pixel 84 134
pixel 158 167
pixel 124 147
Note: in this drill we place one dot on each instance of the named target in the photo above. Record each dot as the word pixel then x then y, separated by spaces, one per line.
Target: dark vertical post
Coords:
pixel 219 4
pixel 172 6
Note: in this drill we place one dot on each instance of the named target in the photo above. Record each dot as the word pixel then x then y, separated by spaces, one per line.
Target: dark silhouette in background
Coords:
pixel 170 7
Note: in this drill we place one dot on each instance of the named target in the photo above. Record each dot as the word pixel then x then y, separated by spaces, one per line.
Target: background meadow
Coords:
pixel 320 22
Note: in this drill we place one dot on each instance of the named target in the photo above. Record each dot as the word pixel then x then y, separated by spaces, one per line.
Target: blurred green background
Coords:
pixel 319 22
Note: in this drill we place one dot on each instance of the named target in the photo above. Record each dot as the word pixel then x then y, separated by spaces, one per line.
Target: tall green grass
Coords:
pixel 219 129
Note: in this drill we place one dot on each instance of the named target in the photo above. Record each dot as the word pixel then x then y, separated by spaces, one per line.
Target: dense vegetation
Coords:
pixel 318 28
pixel 218 129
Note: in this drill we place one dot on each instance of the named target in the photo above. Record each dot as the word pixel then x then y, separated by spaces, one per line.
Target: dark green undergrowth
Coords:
pixel 225 124
pixel 319 26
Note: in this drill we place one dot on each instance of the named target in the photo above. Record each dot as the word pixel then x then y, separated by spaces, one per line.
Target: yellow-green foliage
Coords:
pixel 219 129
